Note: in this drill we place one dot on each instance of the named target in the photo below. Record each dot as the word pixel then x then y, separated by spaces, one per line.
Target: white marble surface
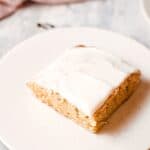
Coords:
pixel 123 16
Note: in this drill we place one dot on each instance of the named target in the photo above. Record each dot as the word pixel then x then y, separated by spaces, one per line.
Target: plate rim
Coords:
pixel 16 48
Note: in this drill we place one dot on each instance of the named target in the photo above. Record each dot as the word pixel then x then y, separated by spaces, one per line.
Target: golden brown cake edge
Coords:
pixel 100 117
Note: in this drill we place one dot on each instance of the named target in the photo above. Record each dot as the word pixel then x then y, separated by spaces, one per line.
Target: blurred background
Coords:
pixel 122 16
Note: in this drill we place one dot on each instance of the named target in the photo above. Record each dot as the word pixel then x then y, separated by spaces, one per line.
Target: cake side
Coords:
pixel 118 96
pixel 93 123
pixel 85 77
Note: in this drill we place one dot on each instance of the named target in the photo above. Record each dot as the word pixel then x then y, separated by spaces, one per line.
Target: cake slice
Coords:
pixel 86 85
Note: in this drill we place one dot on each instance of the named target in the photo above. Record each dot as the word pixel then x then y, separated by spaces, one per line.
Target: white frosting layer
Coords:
pixel 85 77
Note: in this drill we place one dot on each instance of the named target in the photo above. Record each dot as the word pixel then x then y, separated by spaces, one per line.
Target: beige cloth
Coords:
pixel 7 7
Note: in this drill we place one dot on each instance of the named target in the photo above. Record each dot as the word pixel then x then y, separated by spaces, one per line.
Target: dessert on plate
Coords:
pixel 86 85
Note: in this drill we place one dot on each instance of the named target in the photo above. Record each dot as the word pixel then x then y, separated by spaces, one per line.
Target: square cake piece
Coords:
pixel 86 85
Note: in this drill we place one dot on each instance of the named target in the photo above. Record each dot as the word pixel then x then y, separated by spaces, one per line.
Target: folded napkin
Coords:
pixel 7 7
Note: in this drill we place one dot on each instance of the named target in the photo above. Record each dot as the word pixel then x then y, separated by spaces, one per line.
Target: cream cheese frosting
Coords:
pixel 85 76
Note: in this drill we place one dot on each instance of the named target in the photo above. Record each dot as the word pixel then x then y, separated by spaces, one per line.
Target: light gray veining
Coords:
pixel 123 16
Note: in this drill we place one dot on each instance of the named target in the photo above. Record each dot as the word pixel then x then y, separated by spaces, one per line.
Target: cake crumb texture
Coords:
pixel 101 115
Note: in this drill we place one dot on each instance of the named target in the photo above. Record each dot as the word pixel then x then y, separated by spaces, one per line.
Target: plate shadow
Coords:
pixel 129 110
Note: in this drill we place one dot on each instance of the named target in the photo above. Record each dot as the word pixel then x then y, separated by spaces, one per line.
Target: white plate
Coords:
pixel 145 7
pixel 27 124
